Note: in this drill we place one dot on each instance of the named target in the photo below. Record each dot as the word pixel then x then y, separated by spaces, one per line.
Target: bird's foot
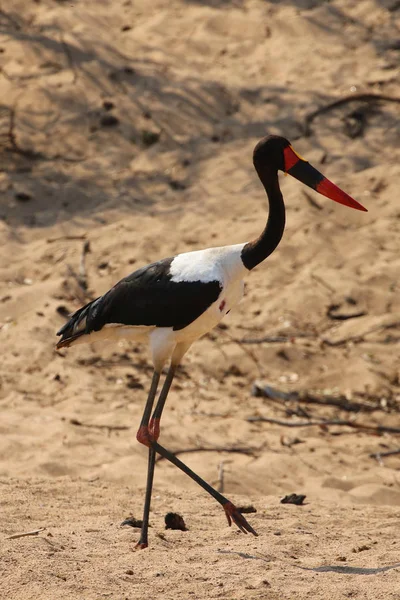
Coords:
pixel 154 429
pixel 141 545
pixel 233 514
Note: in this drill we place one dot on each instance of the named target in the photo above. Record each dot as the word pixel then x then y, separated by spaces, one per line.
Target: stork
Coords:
pixel 172 302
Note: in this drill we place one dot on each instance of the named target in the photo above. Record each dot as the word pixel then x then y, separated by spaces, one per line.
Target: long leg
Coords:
pixel 153 430
pixel 149 436
pixel 232 513
pixel 144 424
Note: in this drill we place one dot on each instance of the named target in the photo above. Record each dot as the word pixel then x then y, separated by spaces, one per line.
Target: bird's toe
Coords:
pixel 233 514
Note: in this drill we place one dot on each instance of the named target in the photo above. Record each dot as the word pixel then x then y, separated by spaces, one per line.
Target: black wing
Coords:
pixel 146 297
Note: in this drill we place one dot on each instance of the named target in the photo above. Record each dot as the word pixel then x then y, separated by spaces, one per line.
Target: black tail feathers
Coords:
pixel 77 325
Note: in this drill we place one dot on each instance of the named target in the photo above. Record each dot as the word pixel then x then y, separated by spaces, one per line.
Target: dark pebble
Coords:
pixel 107 105
pixel 132 522
pixel 109 121
pixel 174 521
pixel 247 509
pixel 63 311
pixel 150 137
pixel 23 196
pixel 294 499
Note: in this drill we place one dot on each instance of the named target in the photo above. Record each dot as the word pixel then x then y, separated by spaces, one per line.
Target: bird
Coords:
pixel 173 302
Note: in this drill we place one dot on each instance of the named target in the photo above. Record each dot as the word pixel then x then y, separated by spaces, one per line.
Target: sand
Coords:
pixel 130 126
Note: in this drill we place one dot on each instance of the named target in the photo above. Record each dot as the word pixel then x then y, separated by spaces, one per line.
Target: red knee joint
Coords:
pixel 144 436
pixel 154 428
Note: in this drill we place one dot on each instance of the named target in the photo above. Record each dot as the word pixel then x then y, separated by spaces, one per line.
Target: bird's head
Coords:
pixel 276 152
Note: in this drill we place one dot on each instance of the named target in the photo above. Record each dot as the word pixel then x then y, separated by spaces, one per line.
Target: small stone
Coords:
pixel 249 508
pixel 137 523
pixel 174 521
pixel 297 499
pixel 174 184
pixel 133 383
pixel 23 196
pixel 150 137
pixel 361 548
pixel 109 121
pixel 129 572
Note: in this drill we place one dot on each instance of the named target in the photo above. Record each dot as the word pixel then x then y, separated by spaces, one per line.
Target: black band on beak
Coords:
pixel 306 173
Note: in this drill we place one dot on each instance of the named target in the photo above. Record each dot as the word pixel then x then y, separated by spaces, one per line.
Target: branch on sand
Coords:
pixel 14 147
pixel 380 455
pixel 26 534
pixel 13 143
pixel 266 391
pixel 82 292
pixel 324 423
pixel 233 449
pixel 109 428
pixel 363 97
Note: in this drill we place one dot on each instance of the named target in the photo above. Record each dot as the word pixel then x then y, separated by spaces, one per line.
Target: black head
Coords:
pixel 274 153
pixel 269 152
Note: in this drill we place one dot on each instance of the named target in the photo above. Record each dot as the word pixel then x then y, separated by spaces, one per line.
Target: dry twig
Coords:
pixel 274 339
pixel 326 285
pixel 333 313
pixel 233 449
pixel 81 292
pixel 66 237
pixel 12 139
pixel 360 337
pixel 94 426
pixel 363 97
pixel 26 534
pixel 82 267
pixel 14 146
pixel 266 391
pixel 221 474
pixel 379 455
pixel 377 429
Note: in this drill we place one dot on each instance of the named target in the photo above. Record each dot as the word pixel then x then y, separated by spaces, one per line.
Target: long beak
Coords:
pixel 302 170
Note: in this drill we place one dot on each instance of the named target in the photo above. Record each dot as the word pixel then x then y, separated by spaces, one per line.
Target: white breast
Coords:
pixel 213 264
pixel 223 264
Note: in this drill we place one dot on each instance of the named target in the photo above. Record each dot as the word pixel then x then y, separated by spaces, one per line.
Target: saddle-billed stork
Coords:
pixel 173 302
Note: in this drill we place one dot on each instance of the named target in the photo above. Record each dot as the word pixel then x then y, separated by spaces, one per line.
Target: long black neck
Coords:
pixel 259 249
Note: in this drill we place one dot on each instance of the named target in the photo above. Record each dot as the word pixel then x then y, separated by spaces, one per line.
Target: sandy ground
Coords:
pixel 130 125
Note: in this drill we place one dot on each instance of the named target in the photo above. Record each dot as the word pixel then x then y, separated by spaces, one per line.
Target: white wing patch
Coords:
pixel 212 264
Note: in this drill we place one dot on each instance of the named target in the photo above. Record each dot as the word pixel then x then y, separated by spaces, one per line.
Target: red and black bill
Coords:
pixel 302 170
